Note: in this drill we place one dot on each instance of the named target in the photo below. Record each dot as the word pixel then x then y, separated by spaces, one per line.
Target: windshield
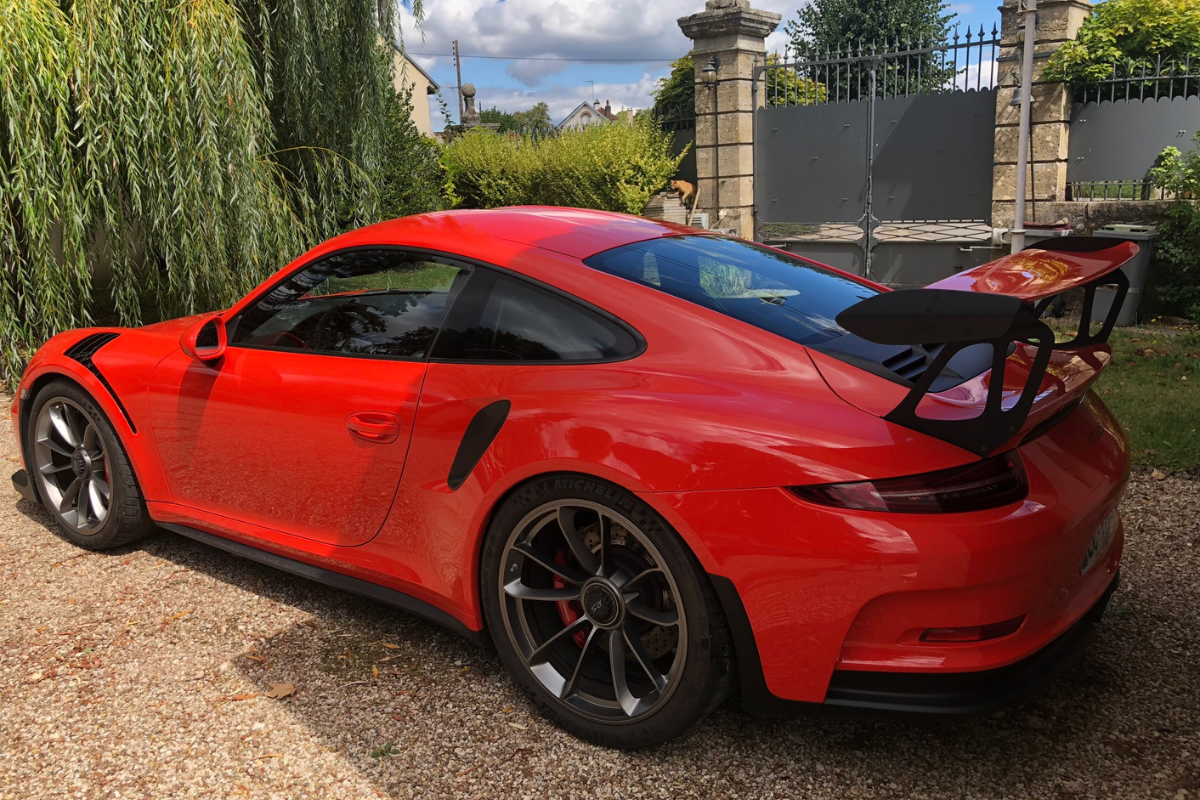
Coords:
pixel 765 288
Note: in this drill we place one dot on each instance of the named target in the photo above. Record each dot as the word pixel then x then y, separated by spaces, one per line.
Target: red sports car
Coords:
pixel 648 464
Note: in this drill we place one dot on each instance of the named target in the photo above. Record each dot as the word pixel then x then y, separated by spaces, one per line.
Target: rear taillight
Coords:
pixel 990 483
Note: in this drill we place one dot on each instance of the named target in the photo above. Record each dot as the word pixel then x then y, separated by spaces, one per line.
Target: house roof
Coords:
pixel 581 107
pixel 433 85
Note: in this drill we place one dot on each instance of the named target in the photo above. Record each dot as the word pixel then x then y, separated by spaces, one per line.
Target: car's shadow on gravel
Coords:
pixel 419 710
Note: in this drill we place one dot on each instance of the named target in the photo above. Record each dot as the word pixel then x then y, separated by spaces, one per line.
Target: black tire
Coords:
pixel 125 519
pixel 693 671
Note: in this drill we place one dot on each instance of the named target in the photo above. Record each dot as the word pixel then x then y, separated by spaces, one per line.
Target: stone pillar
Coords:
pixel 1058 21
pixel 736 34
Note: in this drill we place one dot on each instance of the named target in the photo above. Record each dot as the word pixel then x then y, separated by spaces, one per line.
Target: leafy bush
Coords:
pixel 615 167
pixel 1119 30
pixel 410 178
pixel 1177 256
pixel 535 120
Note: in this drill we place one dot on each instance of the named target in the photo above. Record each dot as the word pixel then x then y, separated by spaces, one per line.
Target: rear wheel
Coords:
pixel 82 472
pixel 602 615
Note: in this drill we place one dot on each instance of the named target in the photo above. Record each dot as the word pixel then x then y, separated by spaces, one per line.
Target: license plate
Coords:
pixel 1101 539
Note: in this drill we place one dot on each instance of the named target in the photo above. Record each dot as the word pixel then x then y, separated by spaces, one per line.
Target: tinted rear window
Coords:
pixel 770 290
pixel 501 318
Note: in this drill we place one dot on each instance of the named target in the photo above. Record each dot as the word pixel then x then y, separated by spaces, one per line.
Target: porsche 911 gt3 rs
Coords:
pixel 650 465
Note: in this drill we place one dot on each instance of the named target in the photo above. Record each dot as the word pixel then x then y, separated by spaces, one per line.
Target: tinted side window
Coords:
pixel 501 318
pixel 771 290
pixel 361 302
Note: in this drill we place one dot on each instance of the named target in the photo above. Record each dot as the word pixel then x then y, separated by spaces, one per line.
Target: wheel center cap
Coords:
pixel 602 604
pixel 81 462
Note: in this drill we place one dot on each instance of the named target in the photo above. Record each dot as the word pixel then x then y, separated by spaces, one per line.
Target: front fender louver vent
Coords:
pixel 83 350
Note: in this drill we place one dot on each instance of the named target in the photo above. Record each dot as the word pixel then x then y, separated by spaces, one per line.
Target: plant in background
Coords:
pixel 675 93
pixel 827 25
pixel 832 27
pixel 1177 256
pixel 487 170
pixel 784 86
pixel 186 149
pixel 613 167
pixel 534 121
pixel 1137 31
pixel 494 116
pixel 444 107
pixel 44 201
pixel 675 96
pixel 410 177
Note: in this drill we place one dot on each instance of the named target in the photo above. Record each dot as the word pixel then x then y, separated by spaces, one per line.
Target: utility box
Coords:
pixel 1135 270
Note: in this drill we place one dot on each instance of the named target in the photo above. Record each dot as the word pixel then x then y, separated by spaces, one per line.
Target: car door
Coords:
pixel 304 426
pixel 513 355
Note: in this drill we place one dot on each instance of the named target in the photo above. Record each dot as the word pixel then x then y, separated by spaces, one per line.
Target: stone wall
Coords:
pixel 1086 217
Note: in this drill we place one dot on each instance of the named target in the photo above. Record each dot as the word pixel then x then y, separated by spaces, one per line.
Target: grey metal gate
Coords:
pixel 680 121
pixel 879 159
pixel 1120 124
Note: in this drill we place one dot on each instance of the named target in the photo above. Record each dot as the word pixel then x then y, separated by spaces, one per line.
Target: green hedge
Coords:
pixel 614 167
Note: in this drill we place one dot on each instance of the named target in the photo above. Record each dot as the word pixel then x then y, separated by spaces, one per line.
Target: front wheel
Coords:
pixel 602 615
pixel 82 472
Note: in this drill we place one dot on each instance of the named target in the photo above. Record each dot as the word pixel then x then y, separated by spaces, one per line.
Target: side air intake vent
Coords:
pixel 83 351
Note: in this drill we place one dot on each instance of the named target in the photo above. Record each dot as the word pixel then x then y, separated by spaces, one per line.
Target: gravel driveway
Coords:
pixel 143 673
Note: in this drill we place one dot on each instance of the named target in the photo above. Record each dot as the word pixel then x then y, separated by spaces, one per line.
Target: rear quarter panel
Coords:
pixel 712 404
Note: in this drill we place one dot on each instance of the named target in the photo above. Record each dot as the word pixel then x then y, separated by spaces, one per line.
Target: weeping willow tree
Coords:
pixel 185 148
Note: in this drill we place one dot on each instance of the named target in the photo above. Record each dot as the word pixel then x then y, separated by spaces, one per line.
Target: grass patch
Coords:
pixel 1153 388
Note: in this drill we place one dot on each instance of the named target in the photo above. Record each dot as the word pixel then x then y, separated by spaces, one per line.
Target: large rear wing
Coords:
pixel 997 304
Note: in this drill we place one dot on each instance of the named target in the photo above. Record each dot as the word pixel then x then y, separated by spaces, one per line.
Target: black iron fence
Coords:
pixel 1145 79
pixel 1138 189
pixel 895 68
pixel 676 116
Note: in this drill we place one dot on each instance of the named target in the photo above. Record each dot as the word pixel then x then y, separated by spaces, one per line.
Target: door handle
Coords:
pixel 377 427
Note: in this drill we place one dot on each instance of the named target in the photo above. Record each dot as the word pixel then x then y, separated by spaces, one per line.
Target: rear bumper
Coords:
pixel 918 694
pixel 24 486
pixel 965 693
pixel 824 591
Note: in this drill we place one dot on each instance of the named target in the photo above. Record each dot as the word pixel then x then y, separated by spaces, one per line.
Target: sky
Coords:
pixel 522 52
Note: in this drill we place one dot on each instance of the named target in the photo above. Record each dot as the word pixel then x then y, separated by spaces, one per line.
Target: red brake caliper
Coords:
pixel 568 610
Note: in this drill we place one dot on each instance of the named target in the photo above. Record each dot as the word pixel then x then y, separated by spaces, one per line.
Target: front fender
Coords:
pixel 122 410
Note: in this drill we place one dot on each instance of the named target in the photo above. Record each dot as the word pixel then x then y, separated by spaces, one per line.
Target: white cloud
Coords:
pixel 593 30
pixel 980 74
pixel 531 73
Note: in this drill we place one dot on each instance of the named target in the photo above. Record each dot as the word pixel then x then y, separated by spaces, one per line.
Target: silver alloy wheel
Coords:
pixel 72 466
pixel 593 611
